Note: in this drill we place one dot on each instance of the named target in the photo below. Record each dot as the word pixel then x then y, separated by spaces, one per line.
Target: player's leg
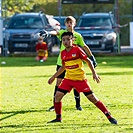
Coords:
pixel 45 56
pixel 91 96
pixel 64 87
pixel 83 86
pixel 58 105
pixel 58 81
pixel 37 58
pixel 77 99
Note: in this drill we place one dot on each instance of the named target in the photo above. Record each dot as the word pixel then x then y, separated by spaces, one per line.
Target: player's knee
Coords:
pixel 37 58
pixel 92 98
pixel 58 96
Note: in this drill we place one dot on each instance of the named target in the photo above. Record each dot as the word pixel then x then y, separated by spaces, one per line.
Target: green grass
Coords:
pixel 26 96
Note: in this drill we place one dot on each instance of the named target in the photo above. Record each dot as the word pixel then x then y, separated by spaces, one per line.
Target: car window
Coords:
pixel 89 22
pixel 60 20
pixel 45 20
pixel 25 22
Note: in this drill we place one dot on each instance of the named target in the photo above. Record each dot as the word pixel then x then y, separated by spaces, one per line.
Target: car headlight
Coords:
pixel 111 36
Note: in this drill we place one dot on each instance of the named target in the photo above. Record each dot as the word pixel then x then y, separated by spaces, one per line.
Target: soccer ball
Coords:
pixel 41 60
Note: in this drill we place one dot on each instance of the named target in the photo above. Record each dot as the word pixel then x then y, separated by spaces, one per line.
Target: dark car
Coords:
pixel 22 31
pixel 5 23
pixel 61 20
pixel 99 31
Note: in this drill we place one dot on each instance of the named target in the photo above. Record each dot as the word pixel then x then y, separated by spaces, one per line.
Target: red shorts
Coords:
pixel 80 86
pixel 44 58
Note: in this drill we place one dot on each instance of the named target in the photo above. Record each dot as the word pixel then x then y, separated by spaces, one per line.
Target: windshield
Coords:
pixel 61 20
pixel 25 22
pixel 94 22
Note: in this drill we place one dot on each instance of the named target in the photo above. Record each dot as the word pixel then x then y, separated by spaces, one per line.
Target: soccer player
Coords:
pixel 72 61
pixel 41 50
pixel 70 23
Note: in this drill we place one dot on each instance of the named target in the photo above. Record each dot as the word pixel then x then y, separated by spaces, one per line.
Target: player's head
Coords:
pixel 70 34
pixel 40 39
pixel 67 39
pixel 70 22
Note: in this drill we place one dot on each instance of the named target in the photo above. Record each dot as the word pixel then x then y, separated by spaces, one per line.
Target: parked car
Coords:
pixel 61 20
pixel 99 31
pixel 5 23
pixel 22 32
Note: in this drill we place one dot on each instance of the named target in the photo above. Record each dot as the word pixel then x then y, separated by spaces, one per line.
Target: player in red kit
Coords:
pixel 72 61
pixel 42 50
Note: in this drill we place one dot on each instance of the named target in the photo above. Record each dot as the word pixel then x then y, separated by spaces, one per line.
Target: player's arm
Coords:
pixel 87 50
pixel 46 33
pixel 95 76
pixel 84 57
pixel 60 70
pixel 54 32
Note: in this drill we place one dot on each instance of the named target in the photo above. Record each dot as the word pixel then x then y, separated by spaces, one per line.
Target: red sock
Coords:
pixel 58 109
pixel 102 107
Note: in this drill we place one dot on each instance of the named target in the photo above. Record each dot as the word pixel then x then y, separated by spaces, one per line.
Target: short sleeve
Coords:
pixel 82 54
pixel 61 54
pixel 79 39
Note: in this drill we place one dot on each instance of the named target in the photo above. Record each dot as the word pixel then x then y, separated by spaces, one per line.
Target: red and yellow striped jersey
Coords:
pixel 73 63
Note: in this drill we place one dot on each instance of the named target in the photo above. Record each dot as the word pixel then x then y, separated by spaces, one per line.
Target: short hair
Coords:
pixel 67 34
pixel 40 38
pixel 70 18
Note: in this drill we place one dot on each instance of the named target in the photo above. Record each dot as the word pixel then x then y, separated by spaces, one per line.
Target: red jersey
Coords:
pixel 73 63
pixel 41 48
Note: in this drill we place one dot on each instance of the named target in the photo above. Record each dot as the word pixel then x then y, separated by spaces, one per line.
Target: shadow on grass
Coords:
pixel 13 113
pixel 39 76
pixel 51 127
pixel 70 125
pixel 44 126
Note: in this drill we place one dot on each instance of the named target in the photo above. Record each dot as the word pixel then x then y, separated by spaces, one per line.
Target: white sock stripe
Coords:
pixel 77 97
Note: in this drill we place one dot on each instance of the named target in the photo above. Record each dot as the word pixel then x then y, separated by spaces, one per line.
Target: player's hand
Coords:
pixel 50 81
pixel 96 78
pixel 92 58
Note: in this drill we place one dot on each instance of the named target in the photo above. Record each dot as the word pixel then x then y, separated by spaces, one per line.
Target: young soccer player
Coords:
pixel 70 23
pixel 72 61
pixel 41 49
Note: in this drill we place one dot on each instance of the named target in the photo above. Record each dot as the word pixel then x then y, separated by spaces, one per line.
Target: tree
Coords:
pixel 11 6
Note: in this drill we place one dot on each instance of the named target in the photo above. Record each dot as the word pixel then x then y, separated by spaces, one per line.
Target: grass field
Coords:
pixel 26 96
